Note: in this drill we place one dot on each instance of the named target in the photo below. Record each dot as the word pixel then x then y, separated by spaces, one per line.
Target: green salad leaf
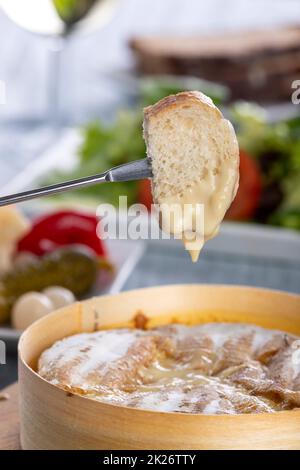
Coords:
pixel 276 147
pixel 153 89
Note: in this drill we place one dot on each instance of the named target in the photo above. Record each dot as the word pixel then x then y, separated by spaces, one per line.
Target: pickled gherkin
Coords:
pixel 74 268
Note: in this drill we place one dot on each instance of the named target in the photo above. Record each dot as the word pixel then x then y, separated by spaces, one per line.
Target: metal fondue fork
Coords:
pixel 139 169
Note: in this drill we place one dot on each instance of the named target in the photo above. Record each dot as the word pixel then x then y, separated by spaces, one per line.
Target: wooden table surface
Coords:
pixel 9 421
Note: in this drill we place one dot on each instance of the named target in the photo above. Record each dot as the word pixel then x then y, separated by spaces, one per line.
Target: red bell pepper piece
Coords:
pixel 62 228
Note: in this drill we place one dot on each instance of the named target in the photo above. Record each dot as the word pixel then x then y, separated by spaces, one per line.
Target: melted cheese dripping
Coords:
pixel 201 208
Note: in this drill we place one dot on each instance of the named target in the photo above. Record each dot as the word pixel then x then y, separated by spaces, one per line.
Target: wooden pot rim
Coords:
pixel 273 295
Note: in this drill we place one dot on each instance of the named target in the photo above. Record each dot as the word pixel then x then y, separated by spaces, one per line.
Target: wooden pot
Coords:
pixel 54 419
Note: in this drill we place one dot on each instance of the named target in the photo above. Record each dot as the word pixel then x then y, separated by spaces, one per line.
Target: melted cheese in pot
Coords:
pixel 214 368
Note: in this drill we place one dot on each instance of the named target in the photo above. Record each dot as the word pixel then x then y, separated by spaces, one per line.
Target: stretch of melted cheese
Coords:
pixel 215 193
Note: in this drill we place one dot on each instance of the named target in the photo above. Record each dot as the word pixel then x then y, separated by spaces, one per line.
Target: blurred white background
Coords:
pixel 85 87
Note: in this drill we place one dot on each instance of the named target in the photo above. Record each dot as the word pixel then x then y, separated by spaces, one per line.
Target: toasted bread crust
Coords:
pixel 181 99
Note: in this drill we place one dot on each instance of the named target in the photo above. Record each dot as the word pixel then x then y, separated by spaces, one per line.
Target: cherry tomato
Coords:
pixel 145 194
pixel 249 192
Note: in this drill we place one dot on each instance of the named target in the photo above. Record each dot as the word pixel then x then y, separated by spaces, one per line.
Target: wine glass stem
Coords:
pixel 54 80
